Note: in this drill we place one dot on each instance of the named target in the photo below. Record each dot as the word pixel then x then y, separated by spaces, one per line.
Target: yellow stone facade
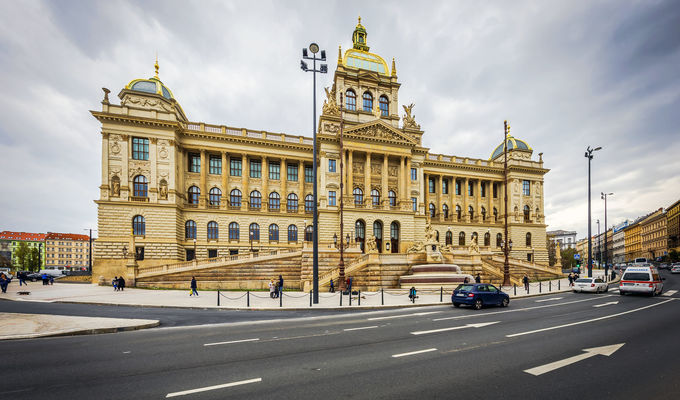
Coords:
pixel 633 242
pixel 653 236
pixel 673 226
pixel 159 165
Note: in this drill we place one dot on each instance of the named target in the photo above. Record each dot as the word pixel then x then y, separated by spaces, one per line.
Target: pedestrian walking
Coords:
pixel 349 285
pixel 194 286
pixel 114 283
pixel 412 294
pixel 272 287
pixel 525 280
pixel 280 285
pixel 478 279
pixel 571 279
pixel 4 281
pixel 121 283
pixel 466 280
pixel 51 280
pixel 22 278
pixel 332 289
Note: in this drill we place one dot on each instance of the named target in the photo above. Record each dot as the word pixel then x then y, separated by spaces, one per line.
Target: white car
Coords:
pixel 595 285
pixel 675 269
pixel 641 279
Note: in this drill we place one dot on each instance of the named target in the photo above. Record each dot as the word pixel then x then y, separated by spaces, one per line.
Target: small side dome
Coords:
pixel 513 144
pixel 151 85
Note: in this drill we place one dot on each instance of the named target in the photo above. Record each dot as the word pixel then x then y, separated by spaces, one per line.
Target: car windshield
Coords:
pixel 584 280
pixel 465 287
pixel 636 276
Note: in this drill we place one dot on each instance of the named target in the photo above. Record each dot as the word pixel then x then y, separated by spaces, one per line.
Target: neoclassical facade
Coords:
pixel 173 189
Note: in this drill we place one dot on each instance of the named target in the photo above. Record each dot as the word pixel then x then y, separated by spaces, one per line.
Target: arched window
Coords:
pixel 392 197
pixel 449 238
pixel 213 230
pixel 190 230
pixel 273 233
pixel 360 233
pixel 437 235
pixel 235 198
pixel 471 211
pixel 495 214
pixel 433 210
pixel 526 213
pixel 215 195
pixel 384 106
pixel 274 201
pixel 358 196
pixel 375 196
pixel 461 239
pixel 309 203
pixel 351 99
pixel 138 226
pixel 445 210
pixel 459 212
pixel 194 194
pixel 292 203
pixel 473 238
pixel 234 233
pixel 483 213
pixel 309 230
pixel 394 230
pixel 141 186
pixel 292 233
pixel 487 239
pixel 499 240
pixel 368 101
pixel 255 199
pixel 528 239
pixel 377 229
pixel 254 231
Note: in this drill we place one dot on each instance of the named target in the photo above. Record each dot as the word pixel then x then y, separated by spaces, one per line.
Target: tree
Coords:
pixel 34 262
pixel 568 258
pixel 4 262
pixel 22 256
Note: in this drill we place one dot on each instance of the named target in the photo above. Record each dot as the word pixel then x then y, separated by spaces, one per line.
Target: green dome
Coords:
pixel 513 144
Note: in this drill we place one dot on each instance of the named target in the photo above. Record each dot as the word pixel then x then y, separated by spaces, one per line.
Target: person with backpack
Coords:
pixel 412 294
pixel 280 285
pixel 194 286
pixel 525 280
pixel 4 281
pixel 114 283
pixel 332 288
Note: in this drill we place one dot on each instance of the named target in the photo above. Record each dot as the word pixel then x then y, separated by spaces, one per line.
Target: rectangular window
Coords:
pixel 414 174
pixel 483 186
pixel 414 200
pixel 471 189
pixel 526 188
pixel 274 171
pixel 255 169
pixel 331 165
pixel 140 149
pixel 235 166
pixel 292 172
pixel 431 185
pixel 309 174
pixel 194 163
pixel 495 191
pixel 215 165
pixel 331 198
pixel 445 186
pixel 457 188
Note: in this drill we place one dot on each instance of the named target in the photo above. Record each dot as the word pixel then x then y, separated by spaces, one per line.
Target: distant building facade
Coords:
pixel 10 242
pixel 565 239
pixel 653 235
pixel 67 250
pixel 619 243
pixel 673 226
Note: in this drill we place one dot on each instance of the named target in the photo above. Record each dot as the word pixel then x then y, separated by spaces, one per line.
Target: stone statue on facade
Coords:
pixel 163 190
pixel 409 118
pixel 417 247
pixel 330 105
pixel 474 245
pixel 430 235
pixel 115 186
pixel 372 245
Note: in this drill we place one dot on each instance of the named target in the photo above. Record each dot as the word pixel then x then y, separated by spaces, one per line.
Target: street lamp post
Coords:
pixel 603 196
pixel 506 250
pixel 323 68
pixel 599 246
pixel 89 266
pixel 589 156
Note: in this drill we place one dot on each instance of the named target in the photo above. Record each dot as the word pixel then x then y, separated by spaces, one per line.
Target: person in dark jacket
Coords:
pixel 280 285
pixel 332 289
pixel 4 281
pixel 121 283
pixel 22 278
pixel 194 286
pixel 478 278
pixel 525 280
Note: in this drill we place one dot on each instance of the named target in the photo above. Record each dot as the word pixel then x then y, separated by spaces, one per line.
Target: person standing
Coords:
pixel 22 278
pixel 466 280
pixel 121 283
pixel 525 280
pixel 114 283
pixel 194 286
pixel 271 288
pixel 280 285
pixel 4 281
pixel 570 277
pixel 332 289
pixel 478 278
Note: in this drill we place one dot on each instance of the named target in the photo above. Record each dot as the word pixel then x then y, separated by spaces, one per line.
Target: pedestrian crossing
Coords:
pixel 669 293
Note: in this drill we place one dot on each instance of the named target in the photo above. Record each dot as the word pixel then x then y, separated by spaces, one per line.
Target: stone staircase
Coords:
pixel 434 276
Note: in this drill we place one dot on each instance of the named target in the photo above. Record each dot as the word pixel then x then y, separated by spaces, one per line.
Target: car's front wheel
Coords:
pixel 457 305
pixel 505 302
pixel 478 304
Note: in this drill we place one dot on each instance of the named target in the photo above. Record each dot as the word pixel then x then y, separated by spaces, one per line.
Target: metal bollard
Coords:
pixel 218 297
pixel 310 298
pixel 514 286
pixel 248 298
pixel 359 297
pixel 341 298
pixel 540 287
pixel 441 294
pixel 280 299
pixel 550 286
pixel 382 296
pixel 350 297
pixel 558 285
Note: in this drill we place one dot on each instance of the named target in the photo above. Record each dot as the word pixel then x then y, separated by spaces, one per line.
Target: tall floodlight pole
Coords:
pixel 599 246
pixel 606 260
pixel 323 68
pixel 589 156
pixel 506 248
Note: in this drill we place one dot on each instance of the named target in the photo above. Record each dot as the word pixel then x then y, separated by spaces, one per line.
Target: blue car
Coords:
pixel 479 295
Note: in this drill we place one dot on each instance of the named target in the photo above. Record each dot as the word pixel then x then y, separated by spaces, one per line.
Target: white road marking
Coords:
pixel 515 310
pixel 232 341
pixel 413 352
pixel 205 389
pixel 35 301
pixel 453 328
pixel 404 315
pixel 553 299
pixel 604 351
pixel 606 304
pixel 360 328
pixel 588 320
pixel 670 293
pixel 127 352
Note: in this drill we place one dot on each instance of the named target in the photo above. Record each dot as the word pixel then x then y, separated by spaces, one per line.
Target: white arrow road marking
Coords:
pixel 603 351
pixel 553 299
pixel 404 315
pixel 479 325
pixel 233 341
pixel 606 304
pixel 670 293
pixel 205 389
pixel 413 352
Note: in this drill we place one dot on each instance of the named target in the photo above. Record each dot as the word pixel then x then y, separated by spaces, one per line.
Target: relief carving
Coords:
pixel 358 167
pixel 331 128
pixel 376 169
pixel 392 171
pixel 114 145
pixel 163 149
pixel 145 103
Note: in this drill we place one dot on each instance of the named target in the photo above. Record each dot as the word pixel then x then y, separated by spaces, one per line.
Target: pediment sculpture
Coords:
pixel 145 102
pixel 409 118
pixel 330 105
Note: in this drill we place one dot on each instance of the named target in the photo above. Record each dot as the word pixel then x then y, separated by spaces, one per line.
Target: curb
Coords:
pixel 93 331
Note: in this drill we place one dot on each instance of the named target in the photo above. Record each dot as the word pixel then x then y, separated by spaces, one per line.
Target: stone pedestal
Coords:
pixel 433 254
pixel 131 270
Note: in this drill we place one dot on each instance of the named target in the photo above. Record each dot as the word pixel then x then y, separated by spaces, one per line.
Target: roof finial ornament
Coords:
pixel 156 65
pixel 339 55
pixel 394 68
pixel 359 19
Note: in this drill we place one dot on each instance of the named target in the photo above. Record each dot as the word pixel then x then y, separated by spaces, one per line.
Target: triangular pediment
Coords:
pixel 379 131
pixel 368 76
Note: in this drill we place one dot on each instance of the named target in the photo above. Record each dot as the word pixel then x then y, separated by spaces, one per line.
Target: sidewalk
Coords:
pixel 258 300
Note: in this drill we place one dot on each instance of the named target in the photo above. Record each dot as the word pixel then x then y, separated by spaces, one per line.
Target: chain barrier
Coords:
pixel 232 298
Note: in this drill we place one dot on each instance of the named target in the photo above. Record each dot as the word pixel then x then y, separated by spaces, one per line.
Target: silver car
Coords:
pixel 595 285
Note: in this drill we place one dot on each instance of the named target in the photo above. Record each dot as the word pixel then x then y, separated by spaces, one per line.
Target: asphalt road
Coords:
pixel 374 355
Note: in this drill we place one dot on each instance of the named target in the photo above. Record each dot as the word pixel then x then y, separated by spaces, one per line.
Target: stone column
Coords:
pixel 301 182
pixel 350 175
pixel 384 182
pixel 265 183
pixel 478 199
pixel 405 192
pixel 501 197
pixel 440 197
pixel 225 187
pixel 245 173
pixel 180 167
pixel 153 151
pixel 125 175
pixel 402 183
pixel 452 196
pixel 203 184
pixel 283 175
pixel 426 193
pixel 489 197
pixel 466 215
pixel 105 165
pixel 367 181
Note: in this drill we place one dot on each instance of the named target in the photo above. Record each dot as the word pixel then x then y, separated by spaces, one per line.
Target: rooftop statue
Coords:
pixel 409 118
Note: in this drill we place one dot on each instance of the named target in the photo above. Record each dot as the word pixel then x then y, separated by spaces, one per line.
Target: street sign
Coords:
pixel 577 256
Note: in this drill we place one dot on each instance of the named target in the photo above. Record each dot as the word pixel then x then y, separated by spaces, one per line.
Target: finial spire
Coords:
pixel 156 65
pixel 359 19
pixel 394 68
pixel 339 55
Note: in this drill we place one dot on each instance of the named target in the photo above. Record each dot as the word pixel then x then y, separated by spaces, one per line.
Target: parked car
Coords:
pixel 479 295
pixel 675 269
pixel 596 285
pixel 33 276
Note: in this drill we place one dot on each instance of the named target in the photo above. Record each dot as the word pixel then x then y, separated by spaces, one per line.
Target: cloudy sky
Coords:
pixel 566 74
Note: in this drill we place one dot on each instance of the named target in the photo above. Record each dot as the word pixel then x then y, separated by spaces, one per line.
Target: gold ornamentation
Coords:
pixel 330 106
pixel 392 170
pixel 145 103
pixel 331 128
pixel 409 118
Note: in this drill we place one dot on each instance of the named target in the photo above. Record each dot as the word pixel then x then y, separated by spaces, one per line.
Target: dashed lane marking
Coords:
pixel 669 293
pixel 232 341
pixel 360 328
pixel 413 353
pixel 453 328
pixel 403 315
pixel 207 388
pixel 553 299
